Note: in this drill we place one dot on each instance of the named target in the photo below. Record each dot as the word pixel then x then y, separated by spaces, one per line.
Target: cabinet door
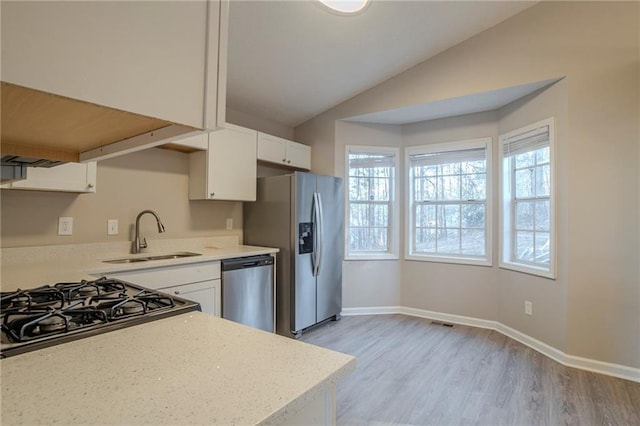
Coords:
pixel 272 148
pixel 227 170
pixel 298 155
pixel 232 164
pixel 155 58
pixel 206 293
pixel 70 177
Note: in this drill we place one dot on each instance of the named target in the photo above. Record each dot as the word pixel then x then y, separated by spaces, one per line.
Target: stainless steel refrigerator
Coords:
pixel 302 215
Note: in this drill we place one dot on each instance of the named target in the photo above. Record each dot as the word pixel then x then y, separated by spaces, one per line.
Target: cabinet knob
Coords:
pixel 176 292
pixel 90 185
pixel 213 194
pixel 284 159
pixel 289 161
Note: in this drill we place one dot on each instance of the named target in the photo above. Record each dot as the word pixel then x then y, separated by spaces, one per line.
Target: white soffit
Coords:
pixel 469 104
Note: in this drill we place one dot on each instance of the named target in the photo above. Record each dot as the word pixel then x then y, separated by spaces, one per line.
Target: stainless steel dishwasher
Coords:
pixel 247 291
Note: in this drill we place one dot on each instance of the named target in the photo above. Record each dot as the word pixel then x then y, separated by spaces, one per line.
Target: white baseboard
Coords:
pixel 609 369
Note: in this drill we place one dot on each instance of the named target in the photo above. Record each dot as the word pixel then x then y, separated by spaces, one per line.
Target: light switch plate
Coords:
pixel 112 227
pixel 65 226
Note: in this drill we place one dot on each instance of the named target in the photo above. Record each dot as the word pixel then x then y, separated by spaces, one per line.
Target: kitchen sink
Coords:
pixel 178 255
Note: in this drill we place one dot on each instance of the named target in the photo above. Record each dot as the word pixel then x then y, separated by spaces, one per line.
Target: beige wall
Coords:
pixel 595 45
pixel 456 289
pixel 367 283
pixel 154 179
pixel 260 124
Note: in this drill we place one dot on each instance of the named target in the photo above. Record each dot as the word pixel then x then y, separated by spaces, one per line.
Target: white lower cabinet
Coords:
pixel 69 177
pixel 206 293
pixel 199 282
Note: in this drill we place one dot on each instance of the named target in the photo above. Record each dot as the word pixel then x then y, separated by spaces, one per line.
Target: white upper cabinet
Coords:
pixel 227 169
pixel 162 60
pixel 283 152
pixel 70 177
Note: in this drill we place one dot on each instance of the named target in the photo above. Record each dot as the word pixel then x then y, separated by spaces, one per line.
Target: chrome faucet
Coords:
pixel 137 245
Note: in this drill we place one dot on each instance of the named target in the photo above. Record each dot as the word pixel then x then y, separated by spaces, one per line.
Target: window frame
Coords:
pixel 393 237
pixel 508 202
pixel 487 260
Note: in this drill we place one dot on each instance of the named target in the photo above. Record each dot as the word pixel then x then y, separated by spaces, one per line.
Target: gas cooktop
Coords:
pixel 53 314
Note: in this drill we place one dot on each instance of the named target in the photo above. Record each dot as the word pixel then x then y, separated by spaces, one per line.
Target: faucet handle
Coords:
pixel 143 244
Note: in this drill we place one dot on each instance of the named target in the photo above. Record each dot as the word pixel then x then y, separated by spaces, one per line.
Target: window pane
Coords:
pixel 359 215
pixel 370 191
pixel 524 183
pixel 474 187
pixel 542 215
pixel 473 215
pixel 474 167
pixel 379 216
pixel 438 224
pixel 525 159
pixel 379 189
pixel 450 187
pixel 542 247
pixel 425 189
pixel 358 188
pixel 524 215
pixel 425 240
pixel 524 245
pixel 450 169
pixel 425 216
pixel 378 239
pixel 448 241
pixel 449 216
pixel 358 240
pixel 473 242
pixel 542 155
pixel 543 181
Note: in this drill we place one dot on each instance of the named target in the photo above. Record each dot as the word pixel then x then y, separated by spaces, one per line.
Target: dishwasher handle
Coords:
pixel 246 262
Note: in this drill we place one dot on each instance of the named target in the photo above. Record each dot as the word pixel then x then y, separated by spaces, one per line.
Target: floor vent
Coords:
pixel 444 324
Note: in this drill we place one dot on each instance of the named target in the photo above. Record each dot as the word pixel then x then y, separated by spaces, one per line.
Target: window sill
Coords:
pixel 454 260
pixel 371 256
pixel 526 269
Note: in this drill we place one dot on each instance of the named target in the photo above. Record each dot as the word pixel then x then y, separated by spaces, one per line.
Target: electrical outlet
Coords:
pixel 528 307
pixel 112 227
pixel 65 226
pixel 229 224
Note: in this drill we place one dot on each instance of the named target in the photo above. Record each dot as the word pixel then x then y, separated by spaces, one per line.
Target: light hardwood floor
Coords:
pixel 412 372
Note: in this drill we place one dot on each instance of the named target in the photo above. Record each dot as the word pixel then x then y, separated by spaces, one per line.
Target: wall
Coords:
pixel 456 289
pixel 549 297
pixel 596 46
pixel 154 179
pixel 367 283
pixel 260 124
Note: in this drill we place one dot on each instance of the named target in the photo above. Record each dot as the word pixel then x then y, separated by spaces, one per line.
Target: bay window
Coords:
pixel 527 228
pixel 371 188
pixel 449 208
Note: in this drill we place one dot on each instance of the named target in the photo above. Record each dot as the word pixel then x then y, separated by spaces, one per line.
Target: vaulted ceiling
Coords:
pixel 289 61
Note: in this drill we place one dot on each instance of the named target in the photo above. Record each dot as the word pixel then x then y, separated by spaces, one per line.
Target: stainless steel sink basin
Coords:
pixel 177 255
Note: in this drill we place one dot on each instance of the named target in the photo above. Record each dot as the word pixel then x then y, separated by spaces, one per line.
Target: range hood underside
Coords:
pixel 43 125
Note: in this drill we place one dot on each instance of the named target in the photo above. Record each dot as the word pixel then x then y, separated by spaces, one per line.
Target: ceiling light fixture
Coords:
pixel 346 7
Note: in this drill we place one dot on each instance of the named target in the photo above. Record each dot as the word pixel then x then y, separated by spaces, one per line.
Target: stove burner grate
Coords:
pixel 85 289
pixel 37 298
pixel 23 326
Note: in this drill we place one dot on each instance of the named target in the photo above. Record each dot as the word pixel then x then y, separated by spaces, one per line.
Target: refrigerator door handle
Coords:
pixel 316 221
pixel 320 234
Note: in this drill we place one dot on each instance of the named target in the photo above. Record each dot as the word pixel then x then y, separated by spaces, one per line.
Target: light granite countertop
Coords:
pixel 28 267
pixel 188 369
